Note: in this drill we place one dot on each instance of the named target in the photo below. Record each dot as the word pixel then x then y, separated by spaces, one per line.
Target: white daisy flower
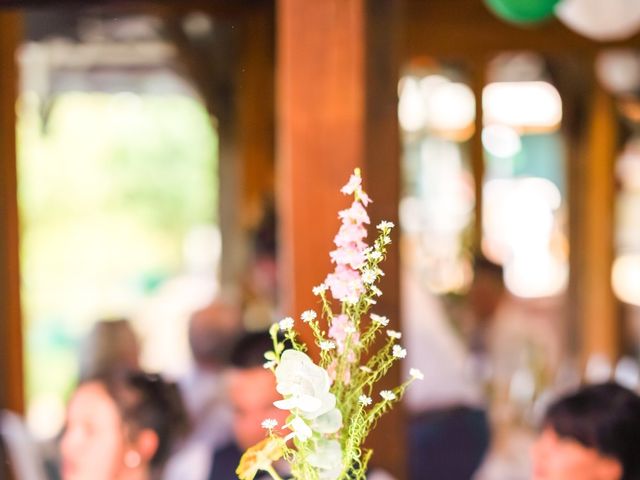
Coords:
pixel 269 423
pixel 375 255
pixel 327 345
pixel 399 352
pixel 320 289
pixel 384 225
pixel 384 321
pixel 308 316
pixel 417 374
pixel 388 395
pixel 394 334
pixel 364 400
pixel 368 276
pixel 286 323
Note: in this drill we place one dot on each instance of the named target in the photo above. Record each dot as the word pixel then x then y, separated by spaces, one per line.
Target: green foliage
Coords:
pixel 108 188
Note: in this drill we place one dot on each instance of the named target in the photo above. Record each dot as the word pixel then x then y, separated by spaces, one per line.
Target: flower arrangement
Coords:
pixel 333 405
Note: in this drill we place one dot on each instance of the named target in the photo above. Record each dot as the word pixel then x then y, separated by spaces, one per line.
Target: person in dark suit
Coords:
pixel 252 391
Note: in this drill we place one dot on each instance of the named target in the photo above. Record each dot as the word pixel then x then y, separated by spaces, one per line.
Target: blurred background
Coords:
pixel 158 156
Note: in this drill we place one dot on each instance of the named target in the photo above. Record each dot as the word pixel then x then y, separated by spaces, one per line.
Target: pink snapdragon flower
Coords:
pixel 349 256
pixel 345 284
pixel 341 328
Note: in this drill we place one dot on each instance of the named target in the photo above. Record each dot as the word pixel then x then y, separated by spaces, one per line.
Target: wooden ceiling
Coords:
pixel 467 28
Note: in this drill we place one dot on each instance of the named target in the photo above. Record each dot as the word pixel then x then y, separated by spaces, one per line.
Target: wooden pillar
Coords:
pixel 478 81
pixel 336 105
pixel 256 118
pixel 592 232
pixel 11 372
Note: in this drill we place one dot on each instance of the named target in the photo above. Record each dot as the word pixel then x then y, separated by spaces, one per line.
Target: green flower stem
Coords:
pixel 270 470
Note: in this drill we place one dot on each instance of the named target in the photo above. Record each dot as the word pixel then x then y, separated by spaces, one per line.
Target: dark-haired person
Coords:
pixel 121 427
pixel 252 391
pixel 592 434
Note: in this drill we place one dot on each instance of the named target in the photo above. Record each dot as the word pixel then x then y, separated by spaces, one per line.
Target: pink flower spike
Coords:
pixel 356 214
pixel 364 198
pixel 354 183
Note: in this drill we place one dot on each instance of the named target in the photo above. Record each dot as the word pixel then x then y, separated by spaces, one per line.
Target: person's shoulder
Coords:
pixel 225 461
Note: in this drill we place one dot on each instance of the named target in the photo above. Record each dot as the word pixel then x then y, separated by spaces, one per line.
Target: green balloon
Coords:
pixel 522 11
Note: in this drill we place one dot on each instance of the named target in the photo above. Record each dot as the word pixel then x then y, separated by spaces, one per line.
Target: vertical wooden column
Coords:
pixel 477 150
pixel 256 118
pixel 11 381
pixel 382 174
pixel 336 106
pixel 592 236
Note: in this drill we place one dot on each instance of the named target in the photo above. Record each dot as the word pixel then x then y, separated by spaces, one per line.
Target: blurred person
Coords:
pixel 260 285
pixel 252 391
pixel 19 457
pixel 110 346
pixel 592 434
pixel 121 427
pixel 212 333
pixel 448 431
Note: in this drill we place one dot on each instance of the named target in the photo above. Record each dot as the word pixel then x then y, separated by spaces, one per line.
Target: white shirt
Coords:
pixel 204 395
pixel 25 459
pixel 434 348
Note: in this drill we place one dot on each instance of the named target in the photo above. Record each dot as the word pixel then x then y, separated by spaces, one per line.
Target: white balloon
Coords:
pixel 602 20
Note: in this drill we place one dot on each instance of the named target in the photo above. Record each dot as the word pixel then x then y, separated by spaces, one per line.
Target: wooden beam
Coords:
pixel 337 103
pixel 11 370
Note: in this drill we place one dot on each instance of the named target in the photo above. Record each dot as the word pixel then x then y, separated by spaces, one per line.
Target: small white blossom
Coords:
pixel 375 255
pixel 380 273
pixel 371 301
pixel 417 374
pixel 384 225
pixel 327 345
pixel 384 321
pixel 376 290
pixel 386 240
pixel 394 334
pixel 320 289
pixel 350 329
pixel 269 365
pixel 388 395
pixel 352 299
pixel 286 323
pixel 366 369
pixel 364 400
pixel 308 316
pixel 269 423
pixel 368 276
pixel 399 352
